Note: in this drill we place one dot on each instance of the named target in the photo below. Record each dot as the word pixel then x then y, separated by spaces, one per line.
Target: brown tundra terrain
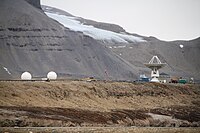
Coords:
pixel 100 105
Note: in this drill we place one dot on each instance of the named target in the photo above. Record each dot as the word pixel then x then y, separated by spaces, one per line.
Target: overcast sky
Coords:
pixel 164 19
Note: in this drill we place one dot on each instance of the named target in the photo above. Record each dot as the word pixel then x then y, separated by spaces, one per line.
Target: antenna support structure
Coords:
pixel 155 64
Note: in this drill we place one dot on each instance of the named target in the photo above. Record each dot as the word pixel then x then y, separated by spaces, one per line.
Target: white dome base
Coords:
pixel 155 80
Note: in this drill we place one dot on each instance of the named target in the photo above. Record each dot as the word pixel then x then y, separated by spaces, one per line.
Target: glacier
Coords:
pixel 99 34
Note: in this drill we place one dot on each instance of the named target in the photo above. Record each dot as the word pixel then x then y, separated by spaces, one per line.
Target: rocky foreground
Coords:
pixel 98 104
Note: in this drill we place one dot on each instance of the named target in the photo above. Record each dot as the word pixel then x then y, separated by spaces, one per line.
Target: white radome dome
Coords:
pixel 52 75
pixel 26 76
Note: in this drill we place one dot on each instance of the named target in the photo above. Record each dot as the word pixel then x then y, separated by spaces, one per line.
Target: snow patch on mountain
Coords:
pixel 6 69
pixel 96 33
pixel 181 46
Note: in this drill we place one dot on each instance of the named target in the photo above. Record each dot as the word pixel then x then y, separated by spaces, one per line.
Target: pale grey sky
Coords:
pixel 164 19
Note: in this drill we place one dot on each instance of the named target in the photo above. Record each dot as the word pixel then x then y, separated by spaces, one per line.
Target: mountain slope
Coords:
pixel 31 41
pixel 136 49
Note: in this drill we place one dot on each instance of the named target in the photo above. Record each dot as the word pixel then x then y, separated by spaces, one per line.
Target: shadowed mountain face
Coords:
pixel 32 41
pixel 35 3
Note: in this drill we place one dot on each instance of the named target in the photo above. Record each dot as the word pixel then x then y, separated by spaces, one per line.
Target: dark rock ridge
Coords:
pixel 31 41
pixel 35 3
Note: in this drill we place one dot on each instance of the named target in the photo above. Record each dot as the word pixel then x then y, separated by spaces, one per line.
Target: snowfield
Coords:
pixel 96 33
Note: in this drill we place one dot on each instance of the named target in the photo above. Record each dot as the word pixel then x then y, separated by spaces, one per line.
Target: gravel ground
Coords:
pixel 100 130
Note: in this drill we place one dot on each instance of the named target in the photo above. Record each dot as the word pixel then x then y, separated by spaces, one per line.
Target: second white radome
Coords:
pixel 52 75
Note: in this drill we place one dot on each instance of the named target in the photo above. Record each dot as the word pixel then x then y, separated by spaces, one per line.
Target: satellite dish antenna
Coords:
pixel 26 76
pixel 52 75
pixel 155 64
